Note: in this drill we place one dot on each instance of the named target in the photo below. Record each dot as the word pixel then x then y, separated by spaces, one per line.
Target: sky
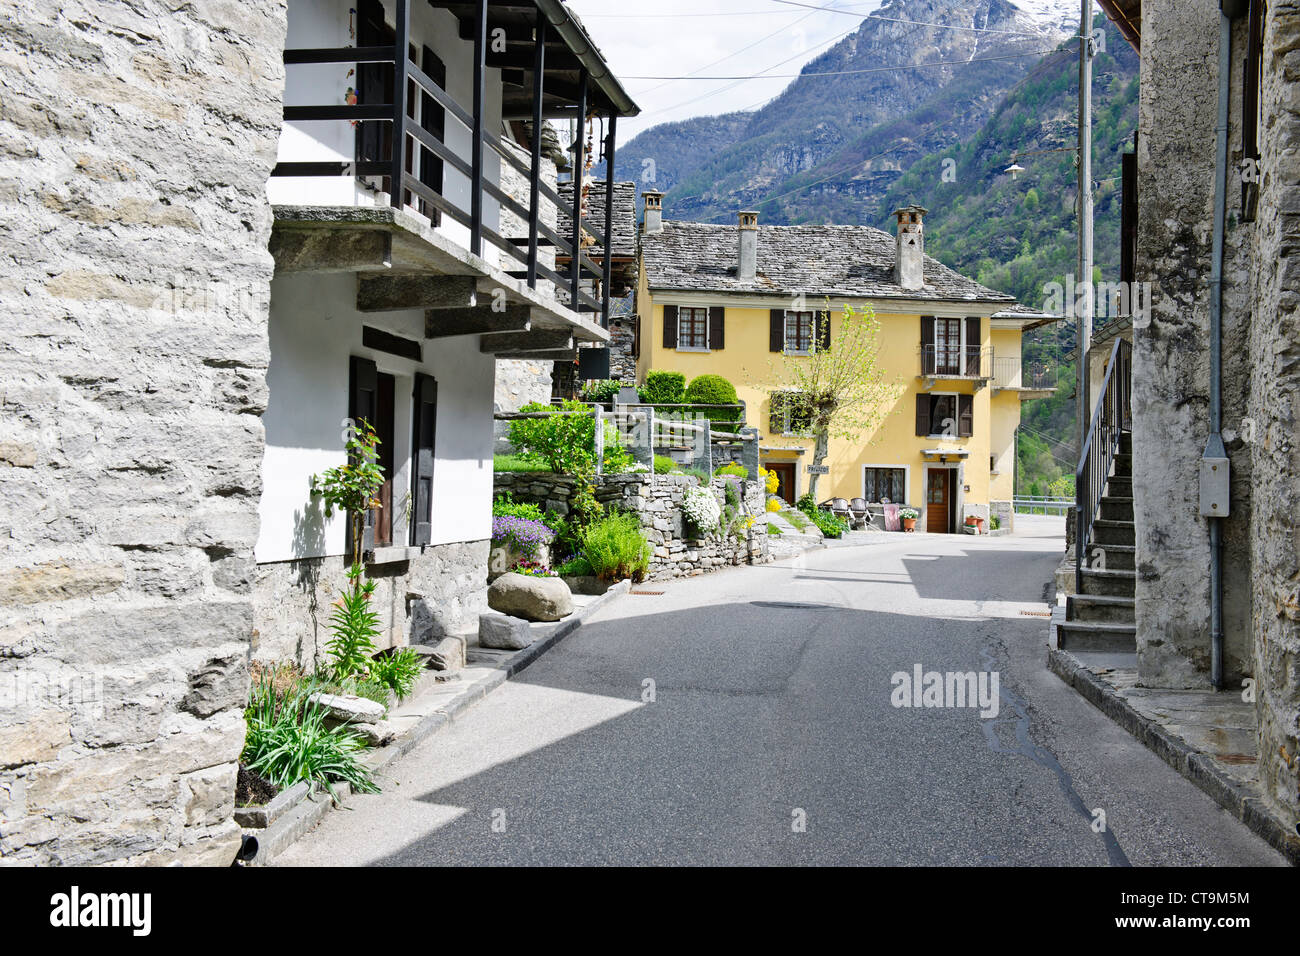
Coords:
pixel 657 38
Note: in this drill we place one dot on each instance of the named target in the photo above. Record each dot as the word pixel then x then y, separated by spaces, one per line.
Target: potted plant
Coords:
pixel 976 522
pixel 908 516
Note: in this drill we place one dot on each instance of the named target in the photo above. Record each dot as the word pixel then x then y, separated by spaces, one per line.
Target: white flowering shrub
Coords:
pixel 701 509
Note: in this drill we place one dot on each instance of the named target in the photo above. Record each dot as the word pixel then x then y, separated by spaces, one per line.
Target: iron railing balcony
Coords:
pixel 956 362
pixel 1019 374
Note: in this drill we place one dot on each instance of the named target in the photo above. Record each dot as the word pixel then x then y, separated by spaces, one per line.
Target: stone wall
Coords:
pixel 422 594
pixel 1275 408
pixel 657 503
pixel 135 145
pixel 1176 119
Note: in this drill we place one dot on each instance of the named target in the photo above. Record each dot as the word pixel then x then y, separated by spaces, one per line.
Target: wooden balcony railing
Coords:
pixel 402 182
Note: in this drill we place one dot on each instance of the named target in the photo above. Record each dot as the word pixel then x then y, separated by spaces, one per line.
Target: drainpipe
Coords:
pixel 1215 469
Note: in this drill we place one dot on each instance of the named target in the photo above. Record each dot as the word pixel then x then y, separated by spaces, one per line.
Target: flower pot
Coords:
pixel 909 524
pixel 973 521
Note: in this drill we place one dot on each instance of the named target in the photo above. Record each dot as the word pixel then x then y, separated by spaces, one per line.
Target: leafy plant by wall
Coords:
pixel 615 547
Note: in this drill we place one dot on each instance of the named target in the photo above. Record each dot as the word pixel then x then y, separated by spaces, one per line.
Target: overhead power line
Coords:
pixel 879 69
pixel 923 23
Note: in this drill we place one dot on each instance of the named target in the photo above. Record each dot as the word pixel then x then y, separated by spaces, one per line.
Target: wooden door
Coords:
pixel 938 492
pixel 785 479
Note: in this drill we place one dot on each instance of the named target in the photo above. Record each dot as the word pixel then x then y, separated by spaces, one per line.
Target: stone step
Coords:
pixel 1097 636
pixel 1126 443
pixel 1100 608
pixel 1109 531
pixel 1117 508
pixel 1109 582
pixel 1114 557
pixel 1124 465
pixel 1119 486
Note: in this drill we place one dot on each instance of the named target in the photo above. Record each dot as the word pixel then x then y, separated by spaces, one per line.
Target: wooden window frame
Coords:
pixel 799 318
pixel 692 326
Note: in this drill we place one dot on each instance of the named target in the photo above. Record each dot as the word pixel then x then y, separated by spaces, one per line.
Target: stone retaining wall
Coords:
pixel 657 502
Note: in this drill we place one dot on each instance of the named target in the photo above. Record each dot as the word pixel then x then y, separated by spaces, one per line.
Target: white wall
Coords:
pixel 324 23
pixel 314 328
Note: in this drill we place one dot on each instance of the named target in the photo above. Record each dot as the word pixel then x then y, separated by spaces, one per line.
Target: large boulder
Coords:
pixel 530 597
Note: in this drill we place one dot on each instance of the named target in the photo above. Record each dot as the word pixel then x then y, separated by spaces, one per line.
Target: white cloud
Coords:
pixel 747 36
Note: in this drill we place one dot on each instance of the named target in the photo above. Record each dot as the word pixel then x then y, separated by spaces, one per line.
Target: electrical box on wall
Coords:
pixel 1215 473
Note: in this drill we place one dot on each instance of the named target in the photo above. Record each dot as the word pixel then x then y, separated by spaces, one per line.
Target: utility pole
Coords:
pixel 1085 296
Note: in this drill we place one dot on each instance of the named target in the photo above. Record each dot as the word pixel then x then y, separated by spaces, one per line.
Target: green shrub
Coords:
pixel 616 548
pixel 506 507
pixel 663 388
pixel 566 440
pixel 568 537
pixel 806 504
pixel 699 473
pixel 575 567
pixel 398 671
pixel 664 465
pixel 735 471
pixel 600 389
pixel 714 390
pixel 288 741
pixel 711 390
pixel 832 526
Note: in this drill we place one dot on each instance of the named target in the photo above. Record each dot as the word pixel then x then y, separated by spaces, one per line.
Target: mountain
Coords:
pixel 827 148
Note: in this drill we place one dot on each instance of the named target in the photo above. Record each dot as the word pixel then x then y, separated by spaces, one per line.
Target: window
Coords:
pixel 790 414
pixel 947 346
pixel 692 328
pixel 799 332
pixel 944 415
pixel 881 483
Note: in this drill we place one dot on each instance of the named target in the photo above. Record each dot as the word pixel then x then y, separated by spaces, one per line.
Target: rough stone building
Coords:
pixel 135 144
pixel 1172 392
pixel 200 289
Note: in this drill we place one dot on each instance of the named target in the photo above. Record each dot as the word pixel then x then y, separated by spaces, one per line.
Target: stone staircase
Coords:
pixel 1101 616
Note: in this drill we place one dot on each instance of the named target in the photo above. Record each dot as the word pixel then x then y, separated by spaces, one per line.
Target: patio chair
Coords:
pixel 861 512
pixel 840 508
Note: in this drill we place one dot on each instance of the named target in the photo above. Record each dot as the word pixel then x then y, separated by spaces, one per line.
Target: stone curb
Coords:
pixel 289 826
pixel 1200 768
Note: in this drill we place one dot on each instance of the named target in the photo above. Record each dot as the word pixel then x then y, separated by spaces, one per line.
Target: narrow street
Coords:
pixel 745 717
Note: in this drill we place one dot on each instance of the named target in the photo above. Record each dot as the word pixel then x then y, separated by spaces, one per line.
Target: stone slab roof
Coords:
pixel 853 261
pixel 624 240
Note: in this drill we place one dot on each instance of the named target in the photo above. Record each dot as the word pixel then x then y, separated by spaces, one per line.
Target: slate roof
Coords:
pixel 854 261
pixel 624 240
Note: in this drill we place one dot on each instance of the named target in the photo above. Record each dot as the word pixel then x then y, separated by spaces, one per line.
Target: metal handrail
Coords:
pixel 1111 417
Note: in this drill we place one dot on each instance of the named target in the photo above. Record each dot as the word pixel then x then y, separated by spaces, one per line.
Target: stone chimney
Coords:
pixel 654 212
pixel 909 261
pixel 747 263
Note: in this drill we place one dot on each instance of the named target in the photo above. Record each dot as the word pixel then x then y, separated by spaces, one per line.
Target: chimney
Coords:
pixel 909 262
pixel 747 264
pixel 654 212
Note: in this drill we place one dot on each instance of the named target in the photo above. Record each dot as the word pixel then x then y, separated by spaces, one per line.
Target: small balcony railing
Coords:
pixel 405 187
pixel 1012 371
pixel 956 361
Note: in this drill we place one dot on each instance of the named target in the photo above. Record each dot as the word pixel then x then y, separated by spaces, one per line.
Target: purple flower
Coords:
pixel 520 533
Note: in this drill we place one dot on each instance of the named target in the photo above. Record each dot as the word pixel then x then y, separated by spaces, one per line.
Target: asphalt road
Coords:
pixel 747 717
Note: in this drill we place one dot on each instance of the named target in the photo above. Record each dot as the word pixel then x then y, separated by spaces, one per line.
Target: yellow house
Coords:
pixel 728 300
